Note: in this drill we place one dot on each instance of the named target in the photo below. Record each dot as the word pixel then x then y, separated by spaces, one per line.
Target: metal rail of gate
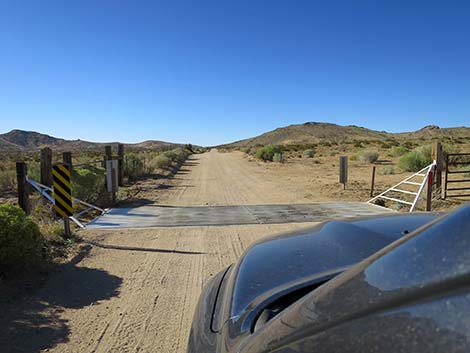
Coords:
pixel 458 177
pixel 46 191
pixel 424 173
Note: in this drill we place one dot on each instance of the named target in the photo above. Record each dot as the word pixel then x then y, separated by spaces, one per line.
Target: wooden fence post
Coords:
pixel 113 185
pixel 67 159
pixel 46 166
pixel 444 189
pixel 108 153
pixel 372 182
pixel 429 189
pixel 437 156
pixel 67 231
pixel 343 170
pixel 23 188
pixel 120 164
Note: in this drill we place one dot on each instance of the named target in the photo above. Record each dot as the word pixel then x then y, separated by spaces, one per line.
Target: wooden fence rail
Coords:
pixel 458 177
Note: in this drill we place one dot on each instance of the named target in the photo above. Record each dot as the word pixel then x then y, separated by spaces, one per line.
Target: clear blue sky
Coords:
pixel 210 72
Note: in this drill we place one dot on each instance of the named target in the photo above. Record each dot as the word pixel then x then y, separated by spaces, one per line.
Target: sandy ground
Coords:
pixel 136 290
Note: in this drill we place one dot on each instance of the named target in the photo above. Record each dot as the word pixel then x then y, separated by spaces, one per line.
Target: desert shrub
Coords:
pixel 368 156
pixel 133 165
pixel 410 145
pixel 177 155
pixel 245 150
pixel 278 158
pixel 389 170
pixel 160 162
pixel 397 151
pixel 450 148
pixel 425 150
pixel 358 144
pixel 51 230
pixel 384 145
pixel 7 180
pixel 21 242
pixel 88 183
pixel 299 147
pixel 308 153
pixel 34 171
pixel 139 164
pixel 392 142
pixel 267 153
pixel 415 160
pixel 171 155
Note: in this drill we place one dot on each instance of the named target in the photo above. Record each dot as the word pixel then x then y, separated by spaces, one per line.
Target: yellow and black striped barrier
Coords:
pixel 62 190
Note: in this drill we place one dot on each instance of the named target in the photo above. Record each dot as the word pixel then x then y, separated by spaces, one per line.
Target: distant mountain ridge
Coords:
pixel 20 140
pixel 314 132
pixel 310 132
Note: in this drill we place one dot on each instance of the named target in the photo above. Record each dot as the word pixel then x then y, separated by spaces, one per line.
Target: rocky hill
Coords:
pixel 314 132
pixel 20 140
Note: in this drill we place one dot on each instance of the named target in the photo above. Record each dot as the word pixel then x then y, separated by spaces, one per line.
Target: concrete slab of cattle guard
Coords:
pixel 150 216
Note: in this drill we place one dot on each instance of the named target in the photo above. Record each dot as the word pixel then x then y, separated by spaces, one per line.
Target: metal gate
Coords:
pixel 419 179
pixel 457 182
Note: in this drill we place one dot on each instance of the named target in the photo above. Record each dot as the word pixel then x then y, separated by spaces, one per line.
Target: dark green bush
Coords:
pixel 21 242
pixel 88 183
pixel 414 161
pixel 397 151
pixel 267 153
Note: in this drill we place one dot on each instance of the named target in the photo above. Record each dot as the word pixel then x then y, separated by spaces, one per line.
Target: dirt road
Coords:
pixel 136 290
pixel 217 179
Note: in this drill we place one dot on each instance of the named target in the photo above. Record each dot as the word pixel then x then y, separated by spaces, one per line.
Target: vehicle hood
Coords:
pixel 431 263
pixel 277 265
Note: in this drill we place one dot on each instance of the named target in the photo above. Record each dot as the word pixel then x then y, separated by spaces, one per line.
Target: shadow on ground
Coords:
pixel 134 248
pixel 30 317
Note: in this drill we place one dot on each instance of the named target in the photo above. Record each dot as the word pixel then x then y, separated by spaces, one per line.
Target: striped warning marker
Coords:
pixel 62 191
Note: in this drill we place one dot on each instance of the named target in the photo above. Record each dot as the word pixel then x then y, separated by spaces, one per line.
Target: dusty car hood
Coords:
pixel 274 266
pixel 414 290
